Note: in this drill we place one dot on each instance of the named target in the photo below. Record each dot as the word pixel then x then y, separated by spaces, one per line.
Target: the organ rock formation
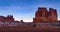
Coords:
pixel 43 15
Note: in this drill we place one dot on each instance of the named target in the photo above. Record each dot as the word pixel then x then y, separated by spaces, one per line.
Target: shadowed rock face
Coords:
pixel 52 14
pixel 43 15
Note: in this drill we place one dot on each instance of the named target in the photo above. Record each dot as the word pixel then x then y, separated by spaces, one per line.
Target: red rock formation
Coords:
pixel 52 14
pixel 8 18
pixel 43 15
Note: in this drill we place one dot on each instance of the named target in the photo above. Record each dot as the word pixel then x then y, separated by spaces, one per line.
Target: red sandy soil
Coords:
pixel 28 29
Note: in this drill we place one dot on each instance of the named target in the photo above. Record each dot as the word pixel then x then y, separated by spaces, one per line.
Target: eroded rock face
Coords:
pixel 52 14
pixel 43 15
pixel 8 18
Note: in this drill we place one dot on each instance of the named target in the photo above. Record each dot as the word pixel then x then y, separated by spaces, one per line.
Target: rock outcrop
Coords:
pixel 52 14
pixel 8 18
pixel 43 15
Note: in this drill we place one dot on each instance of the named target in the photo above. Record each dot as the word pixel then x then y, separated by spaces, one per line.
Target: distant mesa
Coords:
pixel 43 15
pixel 8 18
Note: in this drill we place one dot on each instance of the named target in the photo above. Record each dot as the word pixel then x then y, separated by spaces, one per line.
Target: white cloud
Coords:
pixel 58 18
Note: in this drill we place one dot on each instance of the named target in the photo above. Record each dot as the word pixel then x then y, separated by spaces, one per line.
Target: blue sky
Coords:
pixel 25 9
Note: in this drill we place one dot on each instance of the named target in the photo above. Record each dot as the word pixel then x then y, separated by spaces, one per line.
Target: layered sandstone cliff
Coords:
pixel 43 15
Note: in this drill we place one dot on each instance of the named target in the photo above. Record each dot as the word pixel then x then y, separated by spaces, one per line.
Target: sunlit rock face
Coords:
pixel 8 18
pixel 43 15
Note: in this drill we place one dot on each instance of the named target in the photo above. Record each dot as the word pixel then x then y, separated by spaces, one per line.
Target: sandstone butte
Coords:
pixel 41 15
